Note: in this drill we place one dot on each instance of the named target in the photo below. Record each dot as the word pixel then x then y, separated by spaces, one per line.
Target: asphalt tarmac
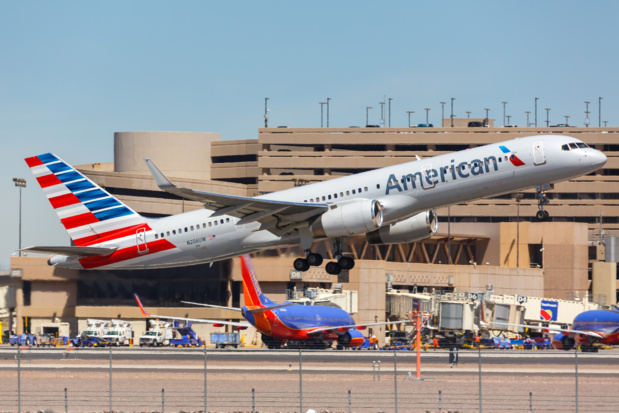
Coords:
pixel 174 379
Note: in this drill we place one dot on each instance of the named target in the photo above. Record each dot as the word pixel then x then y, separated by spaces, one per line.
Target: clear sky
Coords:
pixel 74 72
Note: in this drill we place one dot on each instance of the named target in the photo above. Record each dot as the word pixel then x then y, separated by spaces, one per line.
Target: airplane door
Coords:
pixel 140 239
pixel 538 153
pixel 427 180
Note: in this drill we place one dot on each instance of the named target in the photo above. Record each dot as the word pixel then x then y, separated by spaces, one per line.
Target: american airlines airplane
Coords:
pixel 390 205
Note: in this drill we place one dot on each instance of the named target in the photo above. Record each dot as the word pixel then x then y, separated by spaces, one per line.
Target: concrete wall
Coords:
pixel 176 154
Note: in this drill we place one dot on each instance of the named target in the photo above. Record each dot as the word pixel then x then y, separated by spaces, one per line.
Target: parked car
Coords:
pixel 425 125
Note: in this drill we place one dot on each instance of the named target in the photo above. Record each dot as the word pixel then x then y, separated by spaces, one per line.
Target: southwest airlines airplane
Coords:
pixel 589 327
pixel 391 205
pixel 280 323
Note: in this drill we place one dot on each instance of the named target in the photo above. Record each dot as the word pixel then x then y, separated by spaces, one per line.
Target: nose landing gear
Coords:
pixel 542 199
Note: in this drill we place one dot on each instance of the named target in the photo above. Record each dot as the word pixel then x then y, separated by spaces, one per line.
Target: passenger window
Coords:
pixel 168 233
pixel 347 193
pixel 365 189
pixel 377 186
pixel 156 236
pixel 354 192
pixel 215 223
pixel 173 232
pixel 203 225
pixel 191 228
pixel 329 196
pixel 186 229
pixel 227 219
pixel 210 224
pixel 323 197
pixel 162 235
pixel 335 196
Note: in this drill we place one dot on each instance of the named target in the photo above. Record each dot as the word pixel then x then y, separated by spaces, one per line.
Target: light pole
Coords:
pixel 328 99
pixel 536 99
pixel 266 113
pixel 409 116
pixel 390 99
pixel 508 119
pixel 504 103
pixel 487 119
pixel 427 111
pixel 605 123
pixel 452 112
pixel 322 105
pixel 600 112
pixel 382 113
pixel 547 116
pixel 566 118
pixel 528 113
pixel 587 114
pixel 367 109
pixel 442 113
pixel 468 114
pixel 20 183
pixel 518 196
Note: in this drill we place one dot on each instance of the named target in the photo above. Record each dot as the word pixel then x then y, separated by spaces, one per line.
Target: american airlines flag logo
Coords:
pixel 211 237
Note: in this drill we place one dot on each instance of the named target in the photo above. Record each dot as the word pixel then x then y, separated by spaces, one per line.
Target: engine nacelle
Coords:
pixel 563 342
pixel 415 228
pixel 346 219
pixel 351 338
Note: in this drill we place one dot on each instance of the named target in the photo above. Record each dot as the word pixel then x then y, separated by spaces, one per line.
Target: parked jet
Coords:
pixel 279 323
pixel 391 205
pixel 589 327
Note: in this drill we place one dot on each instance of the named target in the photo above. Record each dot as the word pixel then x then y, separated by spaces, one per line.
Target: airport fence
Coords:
pixel 385 387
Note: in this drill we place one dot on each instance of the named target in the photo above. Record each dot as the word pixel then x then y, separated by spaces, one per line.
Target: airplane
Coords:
pixel 589 328
pixel 391 205
pixel 280 323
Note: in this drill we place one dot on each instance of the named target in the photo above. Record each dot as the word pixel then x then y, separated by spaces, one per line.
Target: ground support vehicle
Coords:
pixel 118 333
pixel 538 343
pixel 222 340
pixel 160 334
pixel 25 339
pixel 184 336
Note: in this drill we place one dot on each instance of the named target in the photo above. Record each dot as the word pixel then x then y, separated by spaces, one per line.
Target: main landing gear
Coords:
pixel 313 259
pixel 542 199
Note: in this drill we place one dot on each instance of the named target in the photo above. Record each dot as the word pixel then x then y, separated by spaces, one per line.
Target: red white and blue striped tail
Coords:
pixel 88 212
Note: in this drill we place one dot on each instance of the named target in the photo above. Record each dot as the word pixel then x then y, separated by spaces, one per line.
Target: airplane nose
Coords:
pixel 598 159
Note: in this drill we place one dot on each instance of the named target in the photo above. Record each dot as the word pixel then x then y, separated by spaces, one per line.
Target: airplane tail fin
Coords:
pixel 251 289
pixel 88 212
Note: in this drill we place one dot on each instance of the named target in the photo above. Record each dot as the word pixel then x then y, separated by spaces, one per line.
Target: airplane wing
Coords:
pixel 246 208
pixel 553 329
pixel 77 251
pixel 319 330
pixel 254 310
pixel 197 320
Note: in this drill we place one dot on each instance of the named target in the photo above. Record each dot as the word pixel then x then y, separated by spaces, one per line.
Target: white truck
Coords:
pixel 118 333
pixel 159 334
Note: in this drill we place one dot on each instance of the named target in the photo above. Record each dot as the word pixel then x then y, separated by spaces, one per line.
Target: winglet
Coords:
pixel 160 179
pixel 140 305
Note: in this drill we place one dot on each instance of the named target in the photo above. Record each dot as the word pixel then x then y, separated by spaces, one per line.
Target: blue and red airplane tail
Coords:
pixel 88 212
pixel 251 288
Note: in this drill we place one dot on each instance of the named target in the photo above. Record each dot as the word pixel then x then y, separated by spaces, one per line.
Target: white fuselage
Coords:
pixel 403 190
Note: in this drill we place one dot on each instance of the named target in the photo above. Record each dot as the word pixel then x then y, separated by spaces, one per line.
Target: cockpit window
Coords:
pixel 582 145
pixel 573 145
pixel 565 147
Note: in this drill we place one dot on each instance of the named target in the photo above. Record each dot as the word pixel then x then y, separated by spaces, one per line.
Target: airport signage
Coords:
pixel 475 296
pixel 521 299
pixel 549 310
pixel 296 275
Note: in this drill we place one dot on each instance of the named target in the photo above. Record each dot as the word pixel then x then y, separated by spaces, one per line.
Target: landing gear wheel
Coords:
pixel 314 259
pixel 301 264
pixel 346 263
pixel 542 215
pixel 333 268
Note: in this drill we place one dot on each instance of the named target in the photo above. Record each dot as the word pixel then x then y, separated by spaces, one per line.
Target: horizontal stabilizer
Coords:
pixel 73 251
pixel 271 307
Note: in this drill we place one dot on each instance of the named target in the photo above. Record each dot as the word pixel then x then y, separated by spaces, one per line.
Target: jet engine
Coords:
pixel 345 219
pixel 415 228
pixel 563 342
pixel 351 338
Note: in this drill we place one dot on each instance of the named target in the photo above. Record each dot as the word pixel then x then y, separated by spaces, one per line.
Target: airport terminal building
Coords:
pixel 493 242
